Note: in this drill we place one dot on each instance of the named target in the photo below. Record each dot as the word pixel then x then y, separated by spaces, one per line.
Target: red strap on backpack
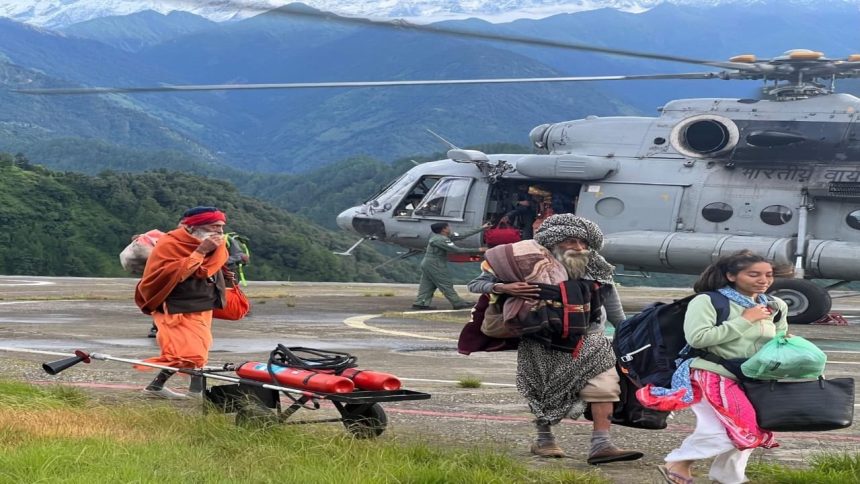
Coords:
pixel 569 308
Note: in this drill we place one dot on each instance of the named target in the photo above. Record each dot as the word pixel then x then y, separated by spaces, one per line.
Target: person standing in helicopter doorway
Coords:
pixel 182 284
pixel 522 216
pixel 434 267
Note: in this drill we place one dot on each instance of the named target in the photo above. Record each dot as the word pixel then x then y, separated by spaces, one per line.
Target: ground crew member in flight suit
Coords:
pixel 434 267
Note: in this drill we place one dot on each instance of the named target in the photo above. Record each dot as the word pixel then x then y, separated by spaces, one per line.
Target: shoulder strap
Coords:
pixel 721 305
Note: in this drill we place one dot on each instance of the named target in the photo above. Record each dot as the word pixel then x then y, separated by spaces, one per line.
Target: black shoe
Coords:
pixel 153 332
pixel 464 305
pixel 422 308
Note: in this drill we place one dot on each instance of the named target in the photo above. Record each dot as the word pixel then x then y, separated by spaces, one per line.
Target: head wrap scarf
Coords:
pixel 202 216
pixel 565 226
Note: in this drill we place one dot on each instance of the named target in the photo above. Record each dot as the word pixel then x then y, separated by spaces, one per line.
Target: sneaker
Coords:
pixel 422 308
pixel 165 393
pixel 613 454
pixel 547 449
pixel 153 332
pixel 464 305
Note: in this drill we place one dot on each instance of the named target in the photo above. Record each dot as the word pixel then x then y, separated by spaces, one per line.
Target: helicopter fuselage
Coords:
pixel 672 193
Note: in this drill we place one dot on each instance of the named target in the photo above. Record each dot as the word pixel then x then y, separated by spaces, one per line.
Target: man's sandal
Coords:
pixel 673 477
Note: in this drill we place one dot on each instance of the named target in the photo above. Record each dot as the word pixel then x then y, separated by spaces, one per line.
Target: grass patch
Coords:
pixel 379 294
pixel 469 382
pixel 48 436
pixel 823 469
pixel 17 394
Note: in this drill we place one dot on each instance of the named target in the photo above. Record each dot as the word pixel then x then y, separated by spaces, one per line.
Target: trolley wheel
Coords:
pixel 807 302
pixel 364 421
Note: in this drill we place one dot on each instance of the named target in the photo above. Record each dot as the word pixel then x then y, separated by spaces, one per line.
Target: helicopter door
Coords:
pixel 446 200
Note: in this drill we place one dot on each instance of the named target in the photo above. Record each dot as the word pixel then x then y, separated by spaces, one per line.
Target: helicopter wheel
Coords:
pixel 807 301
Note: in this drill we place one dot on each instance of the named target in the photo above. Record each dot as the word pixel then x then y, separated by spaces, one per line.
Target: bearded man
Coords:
pixel 557 292
pixel 181 285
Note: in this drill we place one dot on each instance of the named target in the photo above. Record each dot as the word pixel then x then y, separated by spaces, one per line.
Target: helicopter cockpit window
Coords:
pixel 853 220
pixel 393 192
pixel 447 199
pixel 417 193
pixel 717 212
pixel 776 215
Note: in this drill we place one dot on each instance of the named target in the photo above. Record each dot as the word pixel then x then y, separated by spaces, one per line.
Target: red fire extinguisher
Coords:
pixel 371 380
pixel 295 378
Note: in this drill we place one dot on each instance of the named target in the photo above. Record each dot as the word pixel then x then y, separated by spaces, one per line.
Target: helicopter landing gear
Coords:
pixel 807 301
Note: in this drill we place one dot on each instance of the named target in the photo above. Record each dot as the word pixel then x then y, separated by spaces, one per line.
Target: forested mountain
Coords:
pixel 295 131
pixel 75 225
pixel 138 30
pixel 277 131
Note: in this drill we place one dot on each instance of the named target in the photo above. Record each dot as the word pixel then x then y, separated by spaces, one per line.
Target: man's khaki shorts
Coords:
pixel 605 387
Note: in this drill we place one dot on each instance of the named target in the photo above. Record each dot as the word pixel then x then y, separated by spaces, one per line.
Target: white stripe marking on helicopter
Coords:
pixel 358 322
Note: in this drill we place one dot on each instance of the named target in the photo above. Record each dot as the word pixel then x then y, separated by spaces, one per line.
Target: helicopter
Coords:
pixel 672 193
pixel 779 175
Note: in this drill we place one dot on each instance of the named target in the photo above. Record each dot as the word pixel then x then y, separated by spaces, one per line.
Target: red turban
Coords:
pixel 204 218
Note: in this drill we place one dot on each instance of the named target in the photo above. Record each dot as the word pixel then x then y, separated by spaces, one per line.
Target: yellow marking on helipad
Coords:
pixel 358 322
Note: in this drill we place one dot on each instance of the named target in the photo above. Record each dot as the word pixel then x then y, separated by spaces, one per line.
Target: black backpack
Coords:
pixel 648 344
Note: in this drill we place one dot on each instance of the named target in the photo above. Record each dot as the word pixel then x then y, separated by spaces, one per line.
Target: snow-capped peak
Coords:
pixel 60 13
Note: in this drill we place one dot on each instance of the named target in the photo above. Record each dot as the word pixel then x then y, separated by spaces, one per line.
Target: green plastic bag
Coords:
pixel 782 357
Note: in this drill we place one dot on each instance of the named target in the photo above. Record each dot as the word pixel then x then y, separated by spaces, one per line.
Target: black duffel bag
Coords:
pixel 802 406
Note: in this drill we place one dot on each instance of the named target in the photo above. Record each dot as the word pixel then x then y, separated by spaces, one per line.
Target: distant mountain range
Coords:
pixel 287 131
pixel 293 131
pixel 61 13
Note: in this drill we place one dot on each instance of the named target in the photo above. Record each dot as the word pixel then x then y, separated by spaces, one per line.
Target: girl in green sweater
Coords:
pixel 726 428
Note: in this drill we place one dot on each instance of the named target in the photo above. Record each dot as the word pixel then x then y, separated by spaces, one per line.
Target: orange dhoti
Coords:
pixel 184 339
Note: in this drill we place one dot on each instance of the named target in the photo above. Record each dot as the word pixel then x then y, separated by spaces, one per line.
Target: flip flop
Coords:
pixel 673 477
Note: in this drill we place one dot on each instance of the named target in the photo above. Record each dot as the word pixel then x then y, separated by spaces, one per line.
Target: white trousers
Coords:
pixel 711 440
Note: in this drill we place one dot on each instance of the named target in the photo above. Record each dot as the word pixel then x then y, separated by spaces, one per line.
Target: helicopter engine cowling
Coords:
pixel 705 136
pixel 688 253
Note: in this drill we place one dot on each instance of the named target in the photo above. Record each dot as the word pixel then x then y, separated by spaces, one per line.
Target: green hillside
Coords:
pixel 75 225
pixel 135 31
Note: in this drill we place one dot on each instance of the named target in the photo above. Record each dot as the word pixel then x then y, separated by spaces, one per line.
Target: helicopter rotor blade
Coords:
pixel 402 25
pixel 312 85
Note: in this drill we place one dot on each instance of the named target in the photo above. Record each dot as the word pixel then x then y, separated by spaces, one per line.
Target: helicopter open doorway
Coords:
pixel 542 199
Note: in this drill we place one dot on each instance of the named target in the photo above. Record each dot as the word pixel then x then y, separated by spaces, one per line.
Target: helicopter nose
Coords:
pixel 344 220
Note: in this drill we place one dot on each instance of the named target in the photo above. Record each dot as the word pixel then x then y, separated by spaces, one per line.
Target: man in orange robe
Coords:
pixel 181 285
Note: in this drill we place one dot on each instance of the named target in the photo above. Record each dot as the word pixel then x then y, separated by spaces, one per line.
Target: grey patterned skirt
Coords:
pixel 551 380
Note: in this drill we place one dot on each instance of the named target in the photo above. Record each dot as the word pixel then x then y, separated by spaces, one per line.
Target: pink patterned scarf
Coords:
pixel 734 410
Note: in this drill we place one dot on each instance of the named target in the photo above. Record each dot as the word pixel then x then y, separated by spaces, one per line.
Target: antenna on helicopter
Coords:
pixel 449 144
